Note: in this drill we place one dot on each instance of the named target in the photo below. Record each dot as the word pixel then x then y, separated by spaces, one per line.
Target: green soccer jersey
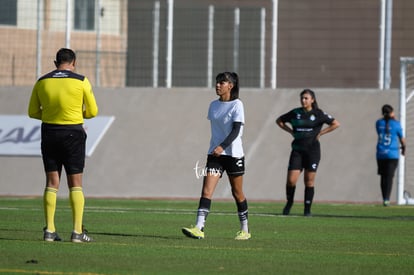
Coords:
pixel 306 126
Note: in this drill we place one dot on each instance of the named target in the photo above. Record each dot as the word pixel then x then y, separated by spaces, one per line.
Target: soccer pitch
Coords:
pixel 144 237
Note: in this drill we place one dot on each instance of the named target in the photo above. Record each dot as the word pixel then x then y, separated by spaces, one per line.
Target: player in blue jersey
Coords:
pixel 305 124
pixel 226 115
pixel 390 136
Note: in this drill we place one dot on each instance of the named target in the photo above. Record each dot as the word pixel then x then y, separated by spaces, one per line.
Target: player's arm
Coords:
pixel 402 142
pixel 235 131
pixel 35 109
pixel 90 106
pixel 284 126
pixel 401 139
pixel 334 124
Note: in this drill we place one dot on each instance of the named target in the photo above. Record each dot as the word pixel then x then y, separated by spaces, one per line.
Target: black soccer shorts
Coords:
pixel 63 145
pixel 232 166
pixel 308 160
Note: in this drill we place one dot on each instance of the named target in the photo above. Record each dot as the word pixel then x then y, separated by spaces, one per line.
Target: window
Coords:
pixel 84 15
pixel 8 12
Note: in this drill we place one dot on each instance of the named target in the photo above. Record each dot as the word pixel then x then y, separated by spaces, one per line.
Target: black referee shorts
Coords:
pixel 63 145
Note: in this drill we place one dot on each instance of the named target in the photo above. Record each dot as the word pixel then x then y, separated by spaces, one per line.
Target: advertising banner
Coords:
pixel 20 135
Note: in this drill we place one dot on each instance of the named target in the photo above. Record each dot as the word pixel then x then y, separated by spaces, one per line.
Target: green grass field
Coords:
pixel 144 237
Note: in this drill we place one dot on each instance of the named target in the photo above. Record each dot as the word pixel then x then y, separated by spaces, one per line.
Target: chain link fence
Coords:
pixel 185 43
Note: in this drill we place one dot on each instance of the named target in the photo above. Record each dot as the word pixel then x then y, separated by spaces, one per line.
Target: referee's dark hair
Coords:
pixel 312 94
pixel 64 55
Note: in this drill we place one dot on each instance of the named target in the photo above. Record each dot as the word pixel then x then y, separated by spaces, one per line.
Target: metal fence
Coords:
pixel 185 43
pixel 196 42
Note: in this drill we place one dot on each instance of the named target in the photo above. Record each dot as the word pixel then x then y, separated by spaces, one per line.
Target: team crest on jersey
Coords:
pixel 297 116
pixel 312 117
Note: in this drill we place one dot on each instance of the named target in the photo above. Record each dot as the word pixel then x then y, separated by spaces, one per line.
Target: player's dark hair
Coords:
pixel 233 78
pixel 312 94
pixel 64 55
pixel 386 113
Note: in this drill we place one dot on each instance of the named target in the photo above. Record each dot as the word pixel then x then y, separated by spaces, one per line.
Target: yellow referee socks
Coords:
pixel 49 205
pixel 77 201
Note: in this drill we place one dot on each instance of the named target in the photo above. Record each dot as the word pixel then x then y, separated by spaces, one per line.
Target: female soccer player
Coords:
pixel 390 136
pixel 305 125
pixel 226 115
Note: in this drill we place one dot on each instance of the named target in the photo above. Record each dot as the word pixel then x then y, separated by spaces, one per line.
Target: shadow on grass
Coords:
pixel 112 234
pixel 92 233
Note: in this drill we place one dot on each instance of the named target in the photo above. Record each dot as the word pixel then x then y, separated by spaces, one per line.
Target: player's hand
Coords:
pixel 217 151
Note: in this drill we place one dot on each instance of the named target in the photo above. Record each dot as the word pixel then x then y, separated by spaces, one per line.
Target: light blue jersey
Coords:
pixel 388 145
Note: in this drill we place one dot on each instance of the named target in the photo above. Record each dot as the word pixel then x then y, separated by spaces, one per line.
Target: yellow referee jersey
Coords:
pixel 62 97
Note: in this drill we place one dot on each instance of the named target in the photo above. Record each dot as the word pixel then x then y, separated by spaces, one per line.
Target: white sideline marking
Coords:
pixel 144 210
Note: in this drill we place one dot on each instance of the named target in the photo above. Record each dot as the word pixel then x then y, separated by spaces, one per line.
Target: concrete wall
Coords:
pixel 158 136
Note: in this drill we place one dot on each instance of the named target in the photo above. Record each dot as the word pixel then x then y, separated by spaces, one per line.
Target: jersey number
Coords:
pixel 385 139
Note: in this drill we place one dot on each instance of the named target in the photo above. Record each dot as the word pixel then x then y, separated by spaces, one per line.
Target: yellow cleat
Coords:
pixel 193 232
pixel 243 235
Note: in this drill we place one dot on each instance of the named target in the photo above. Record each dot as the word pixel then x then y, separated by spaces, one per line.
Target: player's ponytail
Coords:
pixel 387 114
pixel 234 78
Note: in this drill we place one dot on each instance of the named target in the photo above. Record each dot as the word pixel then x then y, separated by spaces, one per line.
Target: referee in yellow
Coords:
pixel 62 99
